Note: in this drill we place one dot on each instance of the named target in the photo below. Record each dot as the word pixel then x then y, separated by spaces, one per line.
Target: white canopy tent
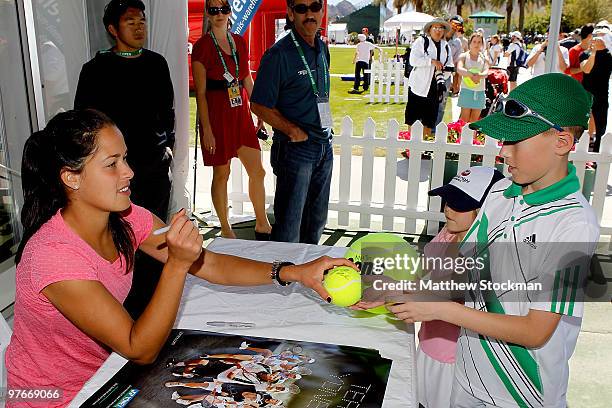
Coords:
pixel 337 32
pixel 410 20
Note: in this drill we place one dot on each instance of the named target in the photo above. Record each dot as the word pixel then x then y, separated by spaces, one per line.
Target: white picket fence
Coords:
pixel 398 199
pixel 387 82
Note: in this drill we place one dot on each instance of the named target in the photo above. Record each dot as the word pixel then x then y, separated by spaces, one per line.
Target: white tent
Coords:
pixel 337 32
pixel 410 20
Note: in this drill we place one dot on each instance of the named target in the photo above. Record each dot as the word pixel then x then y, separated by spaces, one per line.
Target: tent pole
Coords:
pixel 397 34
pixel 553 35
pixel 195 161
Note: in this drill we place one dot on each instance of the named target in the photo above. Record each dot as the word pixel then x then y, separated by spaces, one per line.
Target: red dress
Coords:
pixel 231 127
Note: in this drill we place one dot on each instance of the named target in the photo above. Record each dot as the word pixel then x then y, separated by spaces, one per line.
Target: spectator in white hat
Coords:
pixel 432 62
pixel 362 58
pixel 514 53
pixel 605 25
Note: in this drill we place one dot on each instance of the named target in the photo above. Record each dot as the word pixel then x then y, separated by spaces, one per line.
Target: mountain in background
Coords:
pixel 332 12
pixel 345 7
pixel 342 9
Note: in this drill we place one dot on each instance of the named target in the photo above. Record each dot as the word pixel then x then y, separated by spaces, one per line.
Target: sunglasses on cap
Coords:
pixel 213 11
pixel 517 109
pixel 303 9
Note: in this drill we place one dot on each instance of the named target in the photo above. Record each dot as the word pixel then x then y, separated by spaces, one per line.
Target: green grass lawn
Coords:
pixel 342 58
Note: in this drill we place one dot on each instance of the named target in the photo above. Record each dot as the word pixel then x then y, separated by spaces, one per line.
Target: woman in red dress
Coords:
pixel 223 83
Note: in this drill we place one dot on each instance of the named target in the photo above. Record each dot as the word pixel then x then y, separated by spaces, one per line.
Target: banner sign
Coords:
pixel 242 14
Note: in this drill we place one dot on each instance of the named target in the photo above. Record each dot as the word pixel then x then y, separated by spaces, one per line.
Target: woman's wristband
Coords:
pixel 275 273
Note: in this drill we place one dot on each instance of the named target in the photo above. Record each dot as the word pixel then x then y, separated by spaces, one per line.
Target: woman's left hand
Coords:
pixel 311 274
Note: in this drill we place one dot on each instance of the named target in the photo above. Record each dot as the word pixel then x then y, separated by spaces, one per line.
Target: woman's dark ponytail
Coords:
pixel 43 195
pixel 67 141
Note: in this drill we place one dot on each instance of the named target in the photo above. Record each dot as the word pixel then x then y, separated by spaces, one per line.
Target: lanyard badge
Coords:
pixel 235 98
pixel 323 105
pixel 324 112
pixel 233 89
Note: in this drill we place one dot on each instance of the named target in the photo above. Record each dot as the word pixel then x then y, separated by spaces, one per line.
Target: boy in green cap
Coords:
pixel 533 228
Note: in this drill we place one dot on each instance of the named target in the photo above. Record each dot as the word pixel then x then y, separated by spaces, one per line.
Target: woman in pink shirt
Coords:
pixel 74 263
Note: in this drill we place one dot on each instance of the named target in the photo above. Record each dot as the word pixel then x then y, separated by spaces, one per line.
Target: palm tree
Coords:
pixel 521 23
pixel 440 7
pixel 400 4
pixel 522 5
pixel 459 4
pixel 509 7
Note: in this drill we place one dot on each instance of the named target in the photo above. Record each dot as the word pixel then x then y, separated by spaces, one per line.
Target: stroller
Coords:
pixel 497 85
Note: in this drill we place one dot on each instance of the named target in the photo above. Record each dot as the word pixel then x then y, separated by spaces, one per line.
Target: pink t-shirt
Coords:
pixel 46 349
pixel 437 338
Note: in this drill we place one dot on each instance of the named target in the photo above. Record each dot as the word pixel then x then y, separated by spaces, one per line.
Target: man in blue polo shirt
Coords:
pixel 291 93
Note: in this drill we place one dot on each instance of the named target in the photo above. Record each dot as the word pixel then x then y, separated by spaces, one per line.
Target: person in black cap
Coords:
pixel 462 197
pixel 435 362
pixel 132 86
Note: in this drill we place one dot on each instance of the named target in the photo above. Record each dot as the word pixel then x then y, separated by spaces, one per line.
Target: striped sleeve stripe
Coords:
pixel 546 213
pixel 570 311
pixel 564 291
pixel 529 211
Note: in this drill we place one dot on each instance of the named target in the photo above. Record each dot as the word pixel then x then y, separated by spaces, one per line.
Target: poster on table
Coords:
pixel 205 369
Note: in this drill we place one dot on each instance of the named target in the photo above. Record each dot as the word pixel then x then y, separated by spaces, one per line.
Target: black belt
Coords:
pixel 219 85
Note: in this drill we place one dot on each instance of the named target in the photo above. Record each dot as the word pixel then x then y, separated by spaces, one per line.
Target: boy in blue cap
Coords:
pixel 533 228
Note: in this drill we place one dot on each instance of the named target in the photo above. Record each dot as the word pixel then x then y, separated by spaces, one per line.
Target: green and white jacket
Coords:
pixel 545 238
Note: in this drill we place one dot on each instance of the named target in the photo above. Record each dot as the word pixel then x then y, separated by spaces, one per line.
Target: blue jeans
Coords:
pixel 303 177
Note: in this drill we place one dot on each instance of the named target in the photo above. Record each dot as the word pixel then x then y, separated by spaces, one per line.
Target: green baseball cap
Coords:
pixel 557 97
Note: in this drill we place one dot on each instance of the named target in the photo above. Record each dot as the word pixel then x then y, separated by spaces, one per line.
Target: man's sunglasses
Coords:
pixel 213 11
pixel 303 9
pixel 516 110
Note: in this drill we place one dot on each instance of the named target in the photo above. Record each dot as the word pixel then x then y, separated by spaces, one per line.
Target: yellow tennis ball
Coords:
pixel 343 285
